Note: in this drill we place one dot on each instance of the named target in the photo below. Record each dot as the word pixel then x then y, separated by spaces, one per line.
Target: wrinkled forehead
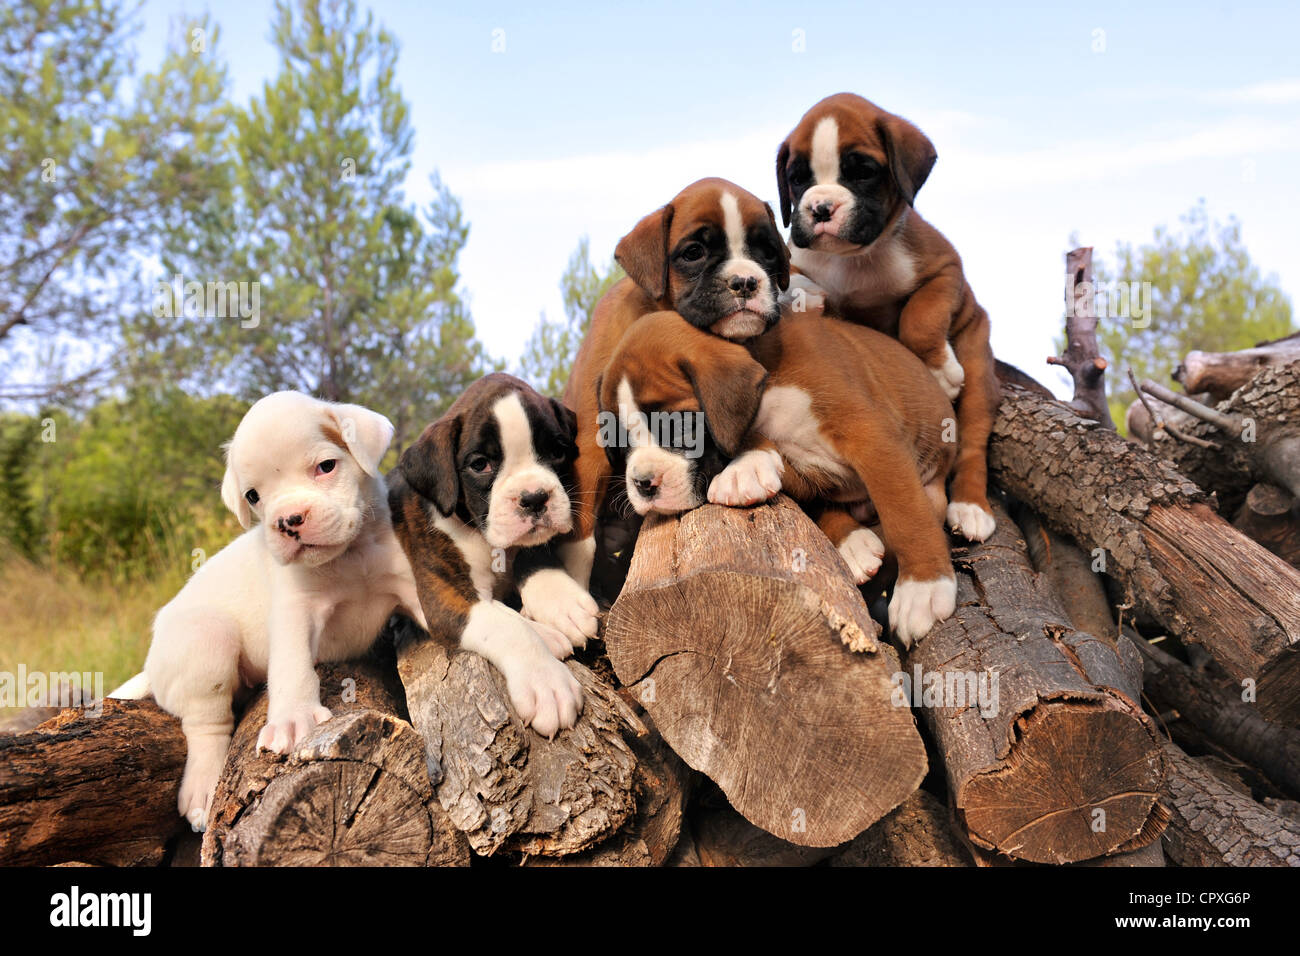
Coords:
pixel 282 438
pixel 651 360
pixel 507 415
pixel 837 126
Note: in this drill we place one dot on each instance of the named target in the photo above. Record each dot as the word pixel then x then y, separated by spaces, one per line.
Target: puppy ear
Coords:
pixel 567 418
pixel 729 385
pixel 366 434
pixel 783 277
pixel 232 498
pixel 429 465
pixel 911 154
pixel 783 184
pixel 643 252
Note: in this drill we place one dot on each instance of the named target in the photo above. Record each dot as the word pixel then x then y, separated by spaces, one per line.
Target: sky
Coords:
pixel 1099 120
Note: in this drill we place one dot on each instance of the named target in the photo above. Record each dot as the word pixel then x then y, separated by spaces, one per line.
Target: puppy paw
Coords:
pixel 950 375
pixel 918 605
pixel 862 551
pixel 204 760
pixel 752 478
pixel 286 730
pixel 544 694
pixel 971 521
pixel 552 598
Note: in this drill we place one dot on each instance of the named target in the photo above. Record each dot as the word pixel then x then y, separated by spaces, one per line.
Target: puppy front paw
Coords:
pixel 544 694
pixel 918 605
pixel 750 479
pixel 950 375
pixel 286 730
pixel 204 760
pixel 971 521
pixel 553 599
pixel 862 551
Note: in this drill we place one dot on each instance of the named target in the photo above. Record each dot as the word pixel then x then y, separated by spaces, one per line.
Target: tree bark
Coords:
pixel 92 789
pixel 1222 373
pixel 1183 564
pixel 1082 358
pixel 741 633
pixel 1271 516
pixel 1224 718
pixel 1214 825
pixel 1048 755
pixel 502 784
pixel 356 792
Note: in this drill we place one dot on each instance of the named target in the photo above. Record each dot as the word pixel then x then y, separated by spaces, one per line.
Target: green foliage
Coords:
pixel 550 351
pixel 1206 294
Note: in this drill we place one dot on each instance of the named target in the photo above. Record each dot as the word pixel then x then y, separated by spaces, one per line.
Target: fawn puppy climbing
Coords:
pixel 850 419
pixel 713 254
pixel 847 176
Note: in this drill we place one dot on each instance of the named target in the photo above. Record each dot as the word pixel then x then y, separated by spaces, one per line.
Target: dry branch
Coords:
pixel 1222 373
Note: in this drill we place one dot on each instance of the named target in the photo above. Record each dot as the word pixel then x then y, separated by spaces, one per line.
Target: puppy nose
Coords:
pixel 534 502
pixel 646 487
pixel 287 524
pixel 822 211
pixel 743 285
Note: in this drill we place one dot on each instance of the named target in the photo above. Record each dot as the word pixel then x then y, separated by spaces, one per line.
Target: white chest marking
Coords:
pixel 474 549
pixel 786 418
pixel 880 275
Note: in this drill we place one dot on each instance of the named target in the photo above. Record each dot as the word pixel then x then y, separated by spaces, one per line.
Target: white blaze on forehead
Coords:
pixel 734 225
pixel 516 434
pixel 638 431
pixel 825 159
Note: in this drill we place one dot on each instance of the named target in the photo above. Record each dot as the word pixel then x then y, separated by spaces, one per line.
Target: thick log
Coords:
pixel 918 832
pixel 1268 407
pixel 1224 718
pixel 1069 574
pixel 1183 564
pixel 1082 358
pixel 741 633
pixel 725 838
pixel 650 837
pixel 1222 373
pixel 1271 516
pixel 1048 754
pixel 502 784
pixel 1212 824
pixel 92 787
pixel 356 792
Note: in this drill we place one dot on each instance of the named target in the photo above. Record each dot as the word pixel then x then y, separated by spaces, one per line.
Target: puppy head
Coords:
pixel 714 255
pixel 675 406
pixel 307 470
pixel 847 171
pixel 500 459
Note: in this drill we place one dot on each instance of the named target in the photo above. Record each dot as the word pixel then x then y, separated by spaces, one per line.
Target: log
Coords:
pixel 1069 575
pixel 356 792
pixel 741 633
pixel 1082 358
pixel 1268 406
pixel 650 837
pixel 917 832
pixel 1222 373
pixel 1183 565
pixel 725 838
pixel 503 785
pixel 1271 516
pixel 92 789
pixel 1211 824
pixel 1223 717
pixel 1048 754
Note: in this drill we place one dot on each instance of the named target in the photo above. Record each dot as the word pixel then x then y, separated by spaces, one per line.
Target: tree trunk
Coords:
pixel 1214 825
pixel 1082 358
pixel 918 832
pixel 502 784
pixel 1183 564
pixel 355 793
pixel 1224 718
pixel 1222 373
pixel 1048 755
pixel 741 633
pixel 92 789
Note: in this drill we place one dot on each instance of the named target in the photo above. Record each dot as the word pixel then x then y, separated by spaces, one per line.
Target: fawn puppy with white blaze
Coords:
pixel 847 176
pixel 858 429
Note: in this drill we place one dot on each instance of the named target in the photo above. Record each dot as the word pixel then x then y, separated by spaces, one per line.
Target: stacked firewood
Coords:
pixel 1120 685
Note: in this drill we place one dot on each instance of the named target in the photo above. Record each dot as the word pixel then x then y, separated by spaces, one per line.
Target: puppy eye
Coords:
pixel 479 464
pixel 857 166
pixel 692 252
pixel 251 496
pixel 800 174
pixel 326 466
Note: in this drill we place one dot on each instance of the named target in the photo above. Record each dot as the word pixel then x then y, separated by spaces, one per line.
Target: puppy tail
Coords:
pixel 134 689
